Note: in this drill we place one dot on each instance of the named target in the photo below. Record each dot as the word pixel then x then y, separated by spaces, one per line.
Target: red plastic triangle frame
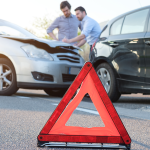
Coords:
pixel 114 130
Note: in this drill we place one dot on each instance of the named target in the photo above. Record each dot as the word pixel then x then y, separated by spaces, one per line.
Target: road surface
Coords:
pixel 23 115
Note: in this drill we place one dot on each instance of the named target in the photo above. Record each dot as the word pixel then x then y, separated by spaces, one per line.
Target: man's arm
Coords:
pixel 87 28
pixel 82 42
pixel 50 29
pixel 52 36
pixel 78 38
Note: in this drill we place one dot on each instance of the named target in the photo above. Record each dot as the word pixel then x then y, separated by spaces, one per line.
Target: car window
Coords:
pixel 149 25
pixel 116 27
pixel 5 30
pixel 135 22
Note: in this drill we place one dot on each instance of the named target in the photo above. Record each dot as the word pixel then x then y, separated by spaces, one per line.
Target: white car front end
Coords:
pixel 41 63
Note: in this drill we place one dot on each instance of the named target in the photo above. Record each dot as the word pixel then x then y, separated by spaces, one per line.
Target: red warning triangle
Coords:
pixel 114 131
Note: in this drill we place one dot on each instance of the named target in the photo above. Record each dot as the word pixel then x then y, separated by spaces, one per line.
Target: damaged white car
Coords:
pixel 34 63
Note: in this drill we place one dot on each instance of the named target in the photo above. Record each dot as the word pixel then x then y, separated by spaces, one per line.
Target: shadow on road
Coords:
pixel 134 99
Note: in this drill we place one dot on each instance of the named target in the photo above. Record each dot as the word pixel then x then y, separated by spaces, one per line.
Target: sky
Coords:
pixel 24 12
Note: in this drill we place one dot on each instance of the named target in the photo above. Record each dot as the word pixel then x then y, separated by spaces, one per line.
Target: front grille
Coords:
pixel 69 58
pixel 68 77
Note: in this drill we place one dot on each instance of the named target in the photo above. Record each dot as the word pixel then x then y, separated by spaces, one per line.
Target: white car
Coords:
pixel 34 63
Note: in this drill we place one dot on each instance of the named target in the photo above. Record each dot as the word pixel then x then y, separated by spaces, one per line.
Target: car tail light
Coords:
pixel 93 45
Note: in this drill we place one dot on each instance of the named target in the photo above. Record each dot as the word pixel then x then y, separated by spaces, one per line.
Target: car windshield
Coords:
pixel 10 29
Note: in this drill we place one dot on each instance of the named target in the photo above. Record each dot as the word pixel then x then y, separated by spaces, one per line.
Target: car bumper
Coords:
pixel 57 69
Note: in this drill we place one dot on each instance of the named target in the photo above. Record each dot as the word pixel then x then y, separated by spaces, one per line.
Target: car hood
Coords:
pixel 53 43
pixel 50 46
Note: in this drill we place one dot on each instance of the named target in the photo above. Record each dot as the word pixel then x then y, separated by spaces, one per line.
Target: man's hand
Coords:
pixel 76 44
pixel 78 38
pixel 65 40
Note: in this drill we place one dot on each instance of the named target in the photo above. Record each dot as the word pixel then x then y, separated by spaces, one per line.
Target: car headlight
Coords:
pixel 35 52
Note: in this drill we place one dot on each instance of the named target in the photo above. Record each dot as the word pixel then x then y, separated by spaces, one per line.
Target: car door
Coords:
pixel 147 53
pixel 127 44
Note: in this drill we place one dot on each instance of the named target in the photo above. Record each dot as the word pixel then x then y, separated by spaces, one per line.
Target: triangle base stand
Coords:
pixel 83 146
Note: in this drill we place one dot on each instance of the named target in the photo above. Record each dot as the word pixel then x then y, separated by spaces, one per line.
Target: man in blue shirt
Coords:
pixel 90 29
pixel 67 24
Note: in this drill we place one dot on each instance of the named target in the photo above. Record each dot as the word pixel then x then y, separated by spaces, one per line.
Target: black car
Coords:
pixel 122 54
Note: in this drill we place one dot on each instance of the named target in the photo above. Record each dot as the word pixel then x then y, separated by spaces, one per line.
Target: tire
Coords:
pixel 8 84
pixel 108 79
pixel 56 93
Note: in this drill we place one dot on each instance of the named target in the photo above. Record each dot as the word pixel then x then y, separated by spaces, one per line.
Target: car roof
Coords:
pixel 116 18
pixel 108 25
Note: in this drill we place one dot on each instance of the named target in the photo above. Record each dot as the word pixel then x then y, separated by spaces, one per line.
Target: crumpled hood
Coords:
pixel 50 46
pixel 53 43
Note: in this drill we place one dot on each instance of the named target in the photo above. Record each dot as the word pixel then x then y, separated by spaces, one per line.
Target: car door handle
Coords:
pixel 147 42
pixel 114 44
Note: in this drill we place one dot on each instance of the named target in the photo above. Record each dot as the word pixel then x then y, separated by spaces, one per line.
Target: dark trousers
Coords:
pixel 91 55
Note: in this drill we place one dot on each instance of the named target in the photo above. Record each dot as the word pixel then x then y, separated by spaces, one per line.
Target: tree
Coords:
pixel 42 24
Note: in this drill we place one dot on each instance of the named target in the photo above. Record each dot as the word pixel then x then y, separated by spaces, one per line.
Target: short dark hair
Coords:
pixel 81 9
pixel 64 4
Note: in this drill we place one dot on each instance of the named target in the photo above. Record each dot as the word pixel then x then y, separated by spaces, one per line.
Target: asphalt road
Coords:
pixel 23 115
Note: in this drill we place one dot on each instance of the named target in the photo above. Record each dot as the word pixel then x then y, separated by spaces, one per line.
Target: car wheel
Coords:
pixel 8 84
pixel 57 93
pixel 108 79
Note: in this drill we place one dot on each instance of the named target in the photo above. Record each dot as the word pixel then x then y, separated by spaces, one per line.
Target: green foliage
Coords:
pixel 86 51
pixel 42 23
pixel 79 32
pixel 31 31
pixel 47 37
pixel 85 48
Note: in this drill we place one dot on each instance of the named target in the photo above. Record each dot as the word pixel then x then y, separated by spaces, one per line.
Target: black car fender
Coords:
pixel 102 59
